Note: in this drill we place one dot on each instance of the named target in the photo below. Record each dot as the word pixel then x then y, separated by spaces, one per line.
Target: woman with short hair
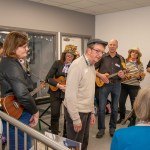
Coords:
pixel 16 81
pixel 136 137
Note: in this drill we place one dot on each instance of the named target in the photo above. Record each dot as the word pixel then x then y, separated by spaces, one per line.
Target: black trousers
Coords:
pixel 55 113
pixel 83 135
pixel 126 90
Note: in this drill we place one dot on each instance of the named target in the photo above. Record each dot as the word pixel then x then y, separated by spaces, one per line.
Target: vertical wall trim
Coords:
pixel 59 40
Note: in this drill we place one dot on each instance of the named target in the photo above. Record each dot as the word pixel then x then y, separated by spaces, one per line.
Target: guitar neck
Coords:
pixel 137 74
pixel 134 75
pixel 36 90
pixel 113 75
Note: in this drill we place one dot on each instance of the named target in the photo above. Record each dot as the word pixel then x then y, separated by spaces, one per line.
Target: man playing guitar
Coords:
pixel 111 63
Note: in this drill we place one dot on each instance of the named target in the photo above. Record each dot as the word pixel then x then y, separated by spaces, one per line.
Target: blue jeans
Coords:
pixel 113 89
pixel 25 117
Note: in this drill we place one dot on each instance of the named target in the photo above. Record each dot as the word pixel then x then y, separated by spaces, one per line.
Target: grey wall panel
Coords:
pixel 31 15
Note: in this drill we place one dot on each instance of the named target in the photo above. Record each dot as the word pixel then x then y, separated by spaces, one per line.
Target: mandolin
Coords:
pixel 12 107
pixel 100 83
pixel 61 80
pixel 128 75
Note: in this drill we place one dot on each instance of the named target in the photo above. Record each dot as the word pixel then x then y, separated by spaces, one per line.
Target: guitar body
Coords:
pixel 11 107
pixel 99 82
pixel 61 80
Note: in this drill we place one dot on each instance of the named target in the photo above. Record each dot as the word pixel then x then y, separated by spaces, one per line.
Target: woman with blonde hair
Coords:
pixel 136 137
pixel 131 85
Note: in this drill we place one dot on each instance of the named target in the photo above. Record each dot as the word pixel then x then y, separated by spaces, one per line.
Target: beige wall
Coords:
pixel 30 15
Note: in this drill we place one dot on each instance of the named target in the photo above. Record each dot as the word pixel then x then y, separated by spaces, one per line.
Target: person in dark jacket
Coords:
pixel 59 71
pixel 16 81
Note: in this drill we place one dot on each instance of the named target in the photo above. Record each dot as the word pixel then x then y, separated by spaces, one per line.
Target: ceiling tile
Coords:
pixel 86 11
pixel 140 1
pixel 65 1
pixel 47 2
pixel 103 1
pixel 69 7
pixel 122 4
pixel 96 6
pixel 99 7
pixel 83 4
pixel 144 4
pixel 35 0
pixel 109 11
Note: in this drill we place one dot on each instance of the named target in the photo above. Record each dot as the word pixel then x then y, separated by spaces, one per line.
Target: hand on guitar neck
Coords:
pixel 121 73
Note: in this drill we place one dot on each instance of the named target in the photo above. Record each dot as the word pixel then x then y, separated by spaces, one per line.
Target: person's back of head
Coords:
pixel 142 105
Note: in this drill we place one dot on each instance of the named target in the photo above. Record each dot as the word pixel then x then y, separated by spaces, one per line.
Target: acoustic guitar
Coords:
pixel 61 80
pixel 12 107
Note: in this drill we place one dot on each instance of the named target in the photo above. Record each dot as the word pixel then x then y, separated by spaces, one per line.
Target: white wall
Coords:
pixel 131 28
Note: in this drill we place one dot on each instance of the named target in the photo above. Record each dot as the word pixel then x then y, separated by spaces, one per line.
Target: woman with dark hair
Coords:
pixel 16 81
pixel 136 137
pixel 131 86
pixel 1 48
pixel 56 78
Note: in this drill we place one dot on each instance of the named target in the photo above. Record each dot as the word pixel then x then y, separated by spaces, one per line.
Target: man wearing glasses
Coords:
pixel 79 93
pixel 111 63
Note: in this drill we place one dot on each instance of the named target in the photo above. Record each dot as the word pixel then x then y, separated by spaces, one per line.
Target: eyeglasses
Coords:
pixel 69 56
pixel 98 51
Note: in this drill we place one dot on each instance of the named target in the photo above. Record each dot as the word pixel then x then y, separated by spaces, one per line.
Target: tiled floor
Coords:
pixel 94 143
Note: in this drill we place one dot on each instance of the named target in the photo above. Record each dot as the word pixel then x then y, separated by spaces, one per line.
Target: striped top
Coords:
pixel 134 68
